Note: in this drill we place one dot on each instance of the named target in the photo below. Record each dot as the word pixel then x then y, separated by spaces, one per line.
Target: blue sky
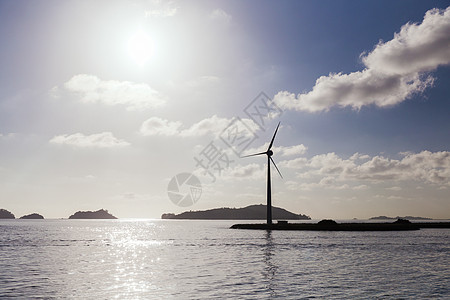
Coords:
pixel 102 103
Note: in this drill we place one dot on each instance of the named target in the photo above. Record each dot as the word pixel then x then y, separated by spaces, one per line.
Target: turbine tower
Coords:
pixel 269 154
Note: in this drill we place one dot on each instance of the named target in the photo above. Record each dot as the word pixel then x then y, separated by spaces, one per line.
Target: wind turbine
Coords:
pixel 269 154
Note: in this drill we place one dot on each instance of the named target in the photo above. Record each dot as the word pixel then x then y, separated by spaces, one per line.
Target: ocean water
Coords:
pixel 172 259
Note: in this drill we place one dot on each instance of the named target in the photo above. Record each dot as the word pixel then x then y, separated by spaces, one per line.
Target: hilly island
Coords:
pixel 99 214
pixel 252 212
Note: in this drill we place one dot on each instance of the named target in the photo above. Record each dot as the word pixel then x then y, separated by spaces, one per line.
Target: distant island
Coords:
pixel 4 214
pixel 99 214
pixel 252 212
pixel 396 218
pixel 32 216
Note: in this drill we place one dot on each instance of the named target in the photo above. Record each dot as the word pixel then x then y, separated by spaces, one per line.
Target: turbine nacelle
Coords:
pixel 269 152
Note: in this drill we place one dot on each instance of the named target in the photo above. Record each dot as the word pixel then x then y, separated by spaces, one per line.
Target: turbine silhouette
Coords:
pixel 269 154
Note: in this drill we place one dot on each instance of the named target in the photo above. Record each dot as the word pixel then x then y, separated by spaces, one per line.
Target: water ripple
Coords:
pixel 205 260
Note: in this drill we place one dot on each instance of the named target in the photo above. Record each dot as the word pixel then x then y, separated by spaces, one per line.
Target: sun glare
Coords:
pixel 140 48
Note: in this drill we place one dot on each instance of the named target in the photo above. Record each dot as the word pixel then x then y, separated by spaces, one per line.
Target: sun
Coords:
pixel 140 48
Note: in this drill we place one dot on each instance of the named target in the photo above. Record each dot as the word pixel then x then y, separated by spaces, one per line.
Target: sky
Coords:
pixel 103 103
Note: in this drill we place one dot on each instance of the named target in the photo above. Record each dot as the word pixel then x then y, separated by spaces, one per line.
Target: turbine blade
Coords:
pixel 273 138
pixel 276 167
pixel 261 153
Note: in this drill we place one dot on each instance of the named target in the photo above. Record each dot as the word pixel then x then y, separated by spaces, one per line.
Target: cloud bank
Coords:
pixel 135 96
pixel 329 168
pixel 99 140
pixel 395 70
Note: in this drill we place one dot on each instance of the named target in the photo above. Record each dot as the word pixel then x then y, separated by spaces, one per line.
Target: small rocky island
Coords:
pixel 32 216
pixel 5 214
pixel 396 218
pixel 252 212
pixel 99 214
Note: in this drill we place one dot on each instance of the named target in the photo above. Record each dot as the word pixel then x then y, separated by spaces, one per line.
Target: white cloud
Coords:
pixel 220 16
pixel 135 96
pixel 392 197
pixel 259 149
pixel 158 126
pixel 249 171
pixel 358 156
pixel 292 150
pixel 232 173
pixel 296 163
pixel 99 140
pixel 279 150
pixel 54 92
pixel 426 167
pixel 330 163
pixel 328 183
pixel 416 48
pixel 394 188
pixel 160 8
pixel 360 187
pixel 291 185
pixel 213 125
pixel 432 167
pixel 395 70
pixel 356 90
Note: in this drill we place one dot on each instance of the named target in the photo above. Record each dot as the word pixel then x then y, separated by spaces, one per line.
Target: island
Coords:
pixel 99 214
pixel 4 214
pixel 252 212
pixel 396 218
pixel 32 216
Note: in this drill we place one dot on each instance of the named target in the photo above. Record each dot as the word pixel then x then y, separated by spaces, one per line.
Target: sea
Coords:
pixel 187 259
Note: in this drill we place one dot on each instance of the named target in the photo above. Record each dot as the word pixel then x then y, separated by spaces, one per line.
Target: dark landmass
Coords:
pixel 252 212
pixel 99 214
pixel 4 214
pixel 330 225
pixel 32 216
pixel 327 222
pixel 396 218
